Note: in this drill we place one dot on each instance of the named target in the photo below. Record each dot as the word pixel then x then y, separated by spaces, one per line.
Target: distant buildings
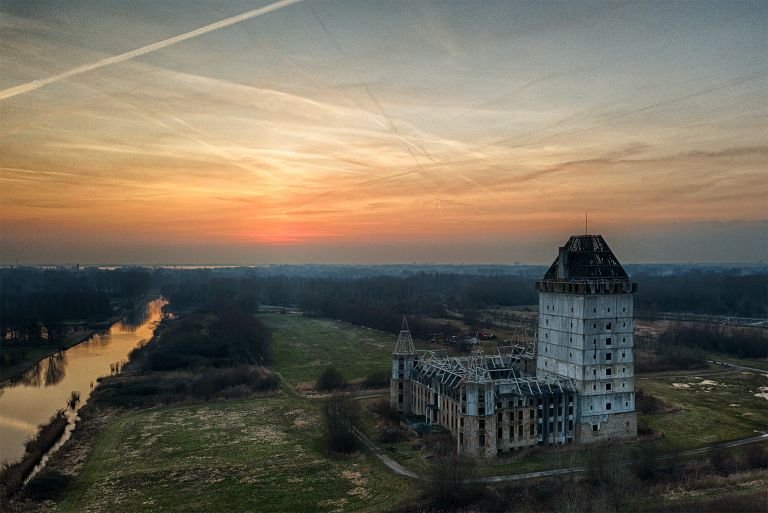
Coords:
pixel 582 385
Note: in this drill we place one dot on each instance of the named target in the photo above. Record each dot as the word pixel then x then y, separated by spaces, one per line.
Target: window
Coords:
pixel 608 326
pixel 607 386
pixel 461 421
pixel 594 356
pixel 623 385
pixel 570 354
pixel 499 433
pixel 594 310
pixel 481 425
pixel 607 372
pixel 560 425
pixel 623 355
pixel 594 326
pixel 608 356
pixel 608 341
pixel 531 414
pixel 461 438
pixel 594 387
pixel 607 406
pixel 570 425
pixel 546 335
pixel 570 410
pixel 519 430
pixel 482 440
pixel 499 417
pixel 399 398
pixel 623 309
pixel 400 385
pixel 531 430
pixel 546 321
pixel 609 309
pixel 623 369
pixel 594 372
pixel 594 427
pixel 520 415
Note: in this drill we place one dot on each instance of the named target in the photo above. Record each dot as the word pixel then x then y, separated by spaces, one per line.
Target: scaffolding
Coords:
pixel 404 343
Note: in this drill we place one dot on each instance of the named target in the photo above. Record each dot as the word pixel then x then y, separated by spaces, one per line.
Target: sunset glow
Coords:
pixel 383 132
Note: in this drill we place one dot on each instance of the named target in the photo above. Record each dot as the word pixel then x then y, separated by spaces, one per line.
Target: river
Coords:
pixel 31 398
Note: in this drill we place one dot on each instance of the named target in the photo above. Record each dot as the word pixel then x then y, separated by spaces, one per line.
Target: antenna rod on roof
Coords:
pixel 586 224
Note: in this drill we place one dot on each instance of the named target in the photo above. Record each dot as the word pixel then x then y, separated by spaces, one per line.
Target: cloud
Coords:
pixel 123 57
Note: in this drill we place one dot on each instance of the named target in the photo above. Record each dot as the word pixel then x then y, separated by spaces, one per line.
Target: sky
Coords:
pixel 381 132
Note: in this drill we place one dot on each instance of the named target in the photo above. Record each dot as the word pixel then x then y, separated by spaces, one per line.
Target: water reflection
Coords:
pixel 135 318
pixel 30 399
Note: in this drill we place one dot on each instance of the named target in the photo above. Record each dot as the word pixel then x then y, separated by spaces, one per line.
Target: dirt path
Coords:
pixel 404 472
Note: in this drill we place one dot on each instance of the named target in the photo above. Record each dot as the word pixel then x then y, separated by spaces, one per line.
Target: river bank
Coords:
pixel 37 352
pixel 61 446
pixel 12 476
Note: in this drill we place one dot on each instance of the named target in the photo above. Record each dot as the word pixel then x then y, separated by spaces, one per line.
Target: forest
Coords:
pixel 36 303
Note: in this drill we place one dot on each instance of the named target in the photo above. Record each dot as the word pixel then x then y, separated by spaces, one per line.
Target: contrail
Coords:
pixel 37 84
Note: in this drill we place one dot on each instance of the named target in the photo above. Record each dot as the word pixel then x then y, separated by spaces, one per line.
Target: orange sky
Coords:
pixel 321 131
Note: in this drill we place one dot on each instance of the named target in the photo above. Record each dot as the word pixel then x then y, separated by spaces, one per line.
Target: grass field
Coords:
pixel 303 347
pixel 268 454
pixel 258 455
pixel 710 408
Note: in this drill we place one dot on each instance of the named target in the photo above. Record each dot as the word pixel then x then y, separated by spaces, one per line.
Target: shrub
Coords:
pixel 330 379
pixel 390 434
pixel 384 410
pixel 342 416
pixel 451 481
pixel 47 485
pixel 377 379
pixel 649 404
pixel 756 457
pixel 720 461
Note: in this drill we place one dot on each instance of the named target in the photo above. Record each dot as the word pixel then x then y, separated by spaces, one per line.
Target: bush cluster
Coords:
pixel 330 379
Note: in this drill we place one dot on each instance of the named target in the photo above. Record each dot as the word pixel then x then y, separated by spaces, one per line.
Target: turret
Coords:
pixel 403 361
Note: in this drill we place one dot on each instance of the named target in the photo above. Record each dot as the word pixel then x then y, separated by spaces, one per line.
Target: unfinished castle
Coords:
pixel 575 385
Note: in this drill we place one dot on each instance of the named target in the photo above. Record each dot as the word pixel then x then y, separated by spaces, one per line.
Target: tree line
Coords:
pixel 36 303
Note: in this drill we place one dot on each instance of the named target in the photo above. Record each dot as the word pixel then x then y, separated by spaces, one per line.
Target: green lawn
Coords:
pixel 258 455
pixel 303 347
pixel 712 408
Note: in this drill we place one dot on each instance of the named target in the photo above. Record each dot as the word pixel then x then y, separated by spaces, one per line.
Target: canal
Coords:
pixel 31 398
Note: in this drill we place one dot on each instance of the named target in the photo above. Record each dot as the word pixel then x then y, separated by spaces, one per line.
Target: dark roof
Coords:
pixel 587 257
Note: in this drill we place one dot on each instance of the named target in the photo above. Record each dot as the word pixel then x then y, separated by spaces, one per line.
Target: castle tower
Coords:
pixel 403 360
pixel 586 334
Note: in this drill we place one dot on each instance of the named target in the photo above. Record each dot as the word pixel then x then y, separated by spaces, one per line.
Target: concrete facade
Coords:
pixel 589 339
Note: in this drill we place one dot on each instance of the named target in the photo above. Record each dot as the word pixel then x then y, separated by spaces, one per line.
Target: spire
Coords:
pixel 404 343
